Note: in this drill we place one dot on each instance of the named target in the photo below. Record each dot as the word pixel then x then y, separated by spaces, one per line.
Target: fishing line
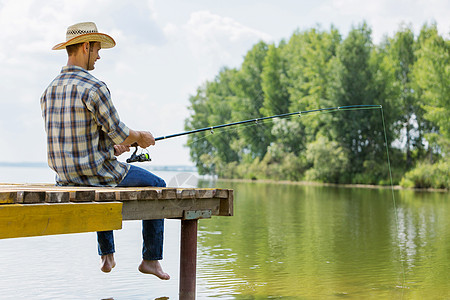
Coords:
pixel 393 201
pixel 224 128
pixel 266 120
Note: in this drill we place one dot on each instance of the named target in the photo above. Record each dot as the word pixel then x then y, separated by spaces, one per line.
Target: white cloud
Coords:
pixel 212 35
pixel 215 41
pixel 27 64
pixel 385 16
pixel 165 50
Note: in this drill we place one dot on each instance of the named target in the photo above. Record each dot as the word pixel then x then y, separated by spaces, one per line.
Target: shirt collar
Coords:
pixel 67 69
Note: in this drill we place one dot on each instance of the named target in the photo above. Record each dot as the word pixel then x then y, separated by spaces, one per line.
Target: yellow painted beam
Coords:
pixel 17 220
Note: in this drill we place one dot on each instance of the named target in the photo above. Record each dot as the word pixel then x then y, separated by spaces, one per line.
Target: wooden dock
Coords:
pixel 44 209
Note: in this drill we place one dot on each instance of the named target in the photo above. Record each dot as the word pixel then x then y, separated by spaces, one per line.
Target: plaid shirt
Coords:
pixel 82 127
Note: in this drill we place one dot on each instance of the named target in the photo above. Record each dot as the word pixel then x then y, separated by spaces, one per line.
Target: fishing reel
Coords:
pixel 138 157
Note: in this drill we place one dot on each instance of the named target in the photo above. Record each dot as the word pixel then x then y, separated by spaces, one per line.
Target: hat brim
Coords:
pixel 105 40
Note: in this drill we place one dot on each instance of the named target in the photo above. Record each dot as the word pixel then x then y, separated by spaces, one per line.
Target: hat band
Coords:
pixel 80 31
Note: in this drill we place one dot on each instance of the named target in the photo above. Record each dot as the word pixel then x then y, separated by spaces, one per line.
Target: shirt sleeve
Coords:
pixel 106 116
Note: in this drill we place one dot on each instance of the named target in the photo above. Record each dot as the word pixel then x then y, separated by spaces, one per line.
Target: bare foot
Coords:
pixel 153 267
pixel 108 263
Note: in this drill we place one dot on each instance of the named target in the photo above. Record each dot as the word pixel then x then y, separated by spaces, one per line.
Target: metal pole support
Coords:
pixel 188 259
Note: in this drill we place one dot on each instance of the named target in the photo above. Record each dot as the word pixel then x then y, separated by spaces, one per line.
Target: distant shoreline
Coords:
pixel 194 169
pixel 344 185
pixel 24 164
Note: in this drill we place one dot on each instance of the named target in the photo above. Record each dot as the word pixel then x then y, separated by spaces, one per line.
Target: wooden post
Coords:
pixel 188 259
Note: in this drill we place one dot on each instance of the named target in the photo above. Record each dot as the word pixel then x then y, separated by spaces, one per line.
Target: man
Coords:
pixel 84 134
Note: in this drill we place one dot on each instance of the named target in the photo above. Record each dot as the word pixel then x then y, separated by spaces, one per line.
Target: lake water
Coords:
pixel 285 241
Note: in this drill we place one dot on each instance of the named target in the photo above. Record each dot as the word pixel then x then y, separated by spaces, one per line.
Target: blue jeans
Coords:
pixel 152 230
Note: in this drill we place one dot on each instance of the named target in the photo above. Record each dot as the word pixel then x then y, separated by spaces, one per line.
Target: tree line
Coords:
pixel 408 75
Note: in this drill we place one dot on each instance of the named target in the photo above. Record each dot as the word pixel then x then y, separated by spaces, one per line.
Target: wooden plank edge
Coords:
pixel 227 205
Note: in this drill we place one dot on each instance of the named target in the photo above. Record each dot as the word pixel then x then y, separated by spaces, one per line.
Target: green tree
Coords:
pixel 359 133
pixel 408 76
pixel 432 77
pixel 276 96
pixel 432 81
pixel 309 55
pixel 410 122
pixel 212 106
pixel 307 58
pixel 328 160
pixel 249 101
pixel 200 110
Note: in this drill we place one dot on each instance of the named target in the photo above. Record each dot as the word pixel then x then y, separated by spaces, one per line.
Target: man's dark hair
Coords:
pixel 72 49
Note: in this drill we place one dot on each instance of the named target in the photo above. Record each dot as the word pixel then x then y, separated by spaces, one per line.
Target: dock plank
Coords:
pixel 8 197
pixel 57 197
pixel 29 197
pixel 137 203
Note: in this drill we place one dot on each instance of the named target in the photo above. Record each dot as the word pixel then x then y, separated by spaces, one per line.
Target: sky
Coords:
pixel 165 50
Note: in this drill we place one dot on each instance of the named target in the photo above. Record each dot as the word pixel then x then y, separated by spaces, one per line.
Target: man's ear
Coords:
pixel 86 47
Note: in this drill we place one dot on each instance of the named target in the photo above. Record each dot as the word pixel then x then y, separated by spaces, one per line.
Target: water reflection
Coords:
pixel 325 242
pixel 285 241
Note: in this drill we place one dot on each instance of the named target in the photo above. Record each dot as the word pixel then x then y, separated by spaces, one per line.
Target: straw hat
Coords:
pixel 85 32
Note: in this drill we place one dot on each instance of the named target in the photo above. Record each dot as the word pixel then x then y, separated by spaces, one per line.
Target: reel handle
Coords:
pixel 138 157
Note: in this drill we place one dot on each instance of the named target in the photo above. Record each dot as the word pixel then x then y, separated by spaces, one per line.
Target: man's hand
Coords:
pixel 119 149
pixel 146 139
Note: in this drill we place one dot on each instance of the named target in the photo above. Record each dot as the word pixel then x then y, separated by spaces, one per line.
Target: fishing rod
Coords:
pixel 146 157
